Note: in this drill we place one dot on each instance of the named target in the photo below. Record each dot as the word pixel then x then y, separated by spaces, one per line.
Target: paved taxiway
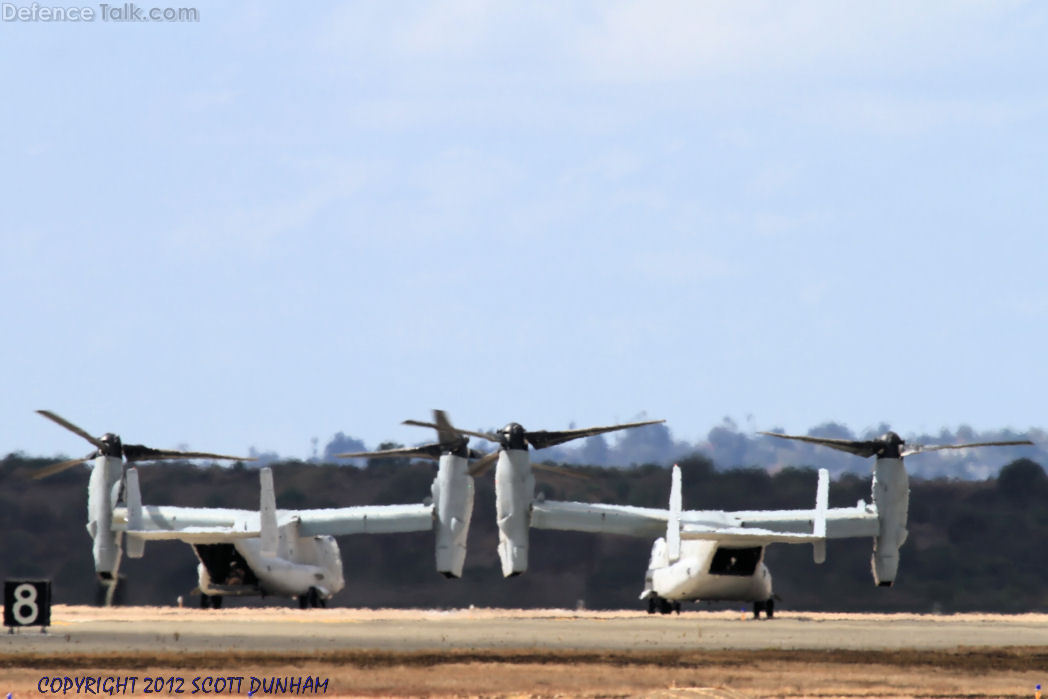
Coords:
pixel 79 629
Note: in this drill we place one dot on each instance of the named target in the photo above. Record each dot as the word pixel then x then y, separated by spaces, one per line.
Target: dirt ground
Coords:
pixel 526 653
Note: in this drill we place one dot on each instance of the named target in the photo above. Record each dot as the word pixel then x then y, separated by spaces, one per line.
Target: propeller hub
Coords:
pixel 111 445
pixel 512 436
pixel 459 447
pixel 891 444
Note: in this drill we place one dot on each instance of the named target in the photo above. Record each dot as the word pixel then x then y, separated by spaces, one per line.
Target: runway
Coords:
pixel 158 629
pixel 539 652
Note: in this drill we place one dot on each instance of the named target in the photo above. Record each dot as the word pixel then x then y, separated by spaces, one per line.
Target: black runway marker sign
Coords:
pixel 27 603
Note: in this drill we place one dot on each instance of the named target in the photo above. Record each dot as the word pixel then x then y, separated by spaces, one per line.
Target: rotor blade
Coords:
pixel 419 423
pixel 481 465
pixel 71 427
pixel 857 447
pixel 918 448
pixel 446 434
pixel 483 435
pixel 540 439
pixel 140 452
pixel 561 471
pixel 59 467
pixel 426 451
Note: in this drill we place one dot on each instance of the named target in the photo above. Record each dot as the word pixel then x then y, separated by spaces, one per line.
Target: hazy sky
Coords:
pixel 285 221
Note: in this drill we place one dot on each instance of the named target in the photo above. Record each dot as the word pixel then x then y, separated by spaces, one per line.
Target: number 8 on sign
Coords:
pixel 24 609
pixel 27 603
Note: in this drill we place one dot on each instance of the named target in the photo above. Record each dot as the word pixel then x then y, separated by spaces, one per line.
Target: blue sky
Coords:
pixel 279 223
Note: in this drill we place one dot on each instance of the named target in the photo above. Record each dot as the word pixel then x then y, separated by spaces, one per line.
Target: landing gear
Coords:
pixel 768 607
pixel 210 601
pixel 311 599
pixel 662 606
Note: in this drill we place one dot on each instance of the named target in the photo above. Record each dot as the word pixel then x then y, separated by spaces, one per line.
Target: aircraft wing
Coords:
pixel 768 526
pixel 369 519
pixel 194 535
pixel 216 525
pixel 783 526
pixel 750 527
pixel 165 518
pixel 841 522
pixel 647 522
pixel 195 524
pixel 741 535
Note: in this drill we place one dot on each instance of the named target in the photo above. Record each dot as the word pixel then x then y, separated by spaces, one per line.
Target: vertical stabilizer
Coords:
pixel 822 498
pixel 135 546
pixel 673 521
pixel 267 513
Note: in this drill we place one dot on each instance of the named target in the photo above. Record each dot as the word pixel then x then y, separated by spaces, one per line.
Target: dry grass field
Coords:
pixel 509 653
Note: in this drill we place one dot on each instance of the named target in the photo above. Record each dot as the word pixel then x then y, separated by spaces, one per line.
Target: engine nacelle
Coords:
pixel 453 502
pixel 891 497
pixel 514 492
pixel 103 491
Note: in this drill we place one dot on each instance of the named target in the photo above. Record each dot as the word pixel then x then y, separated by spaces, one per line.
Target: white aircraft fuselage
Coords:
pixel 303 563
pixel 707 570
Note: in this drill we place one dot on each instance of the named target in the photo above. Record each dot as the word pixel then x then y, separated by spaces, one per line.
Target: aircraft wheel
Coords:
pixel 216 602
pixel 769 608
pixel 205 601
pixel 758 607
pixel 313 598
pixel 665 606
pixel 303 601
pixel 676 608
pixel 651 604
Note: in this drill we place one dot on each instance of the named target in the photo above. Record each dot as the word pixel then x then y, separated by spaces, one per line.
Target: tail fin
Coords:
pixel 822 498
pixel 267 513
pixel 673 521
pixel 135 546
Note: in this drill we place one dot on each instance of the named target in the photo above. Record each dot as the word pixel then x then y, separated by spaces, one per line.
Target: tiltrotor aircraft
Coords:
pixel 241 552
pixel 719 555
pixel 514 480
